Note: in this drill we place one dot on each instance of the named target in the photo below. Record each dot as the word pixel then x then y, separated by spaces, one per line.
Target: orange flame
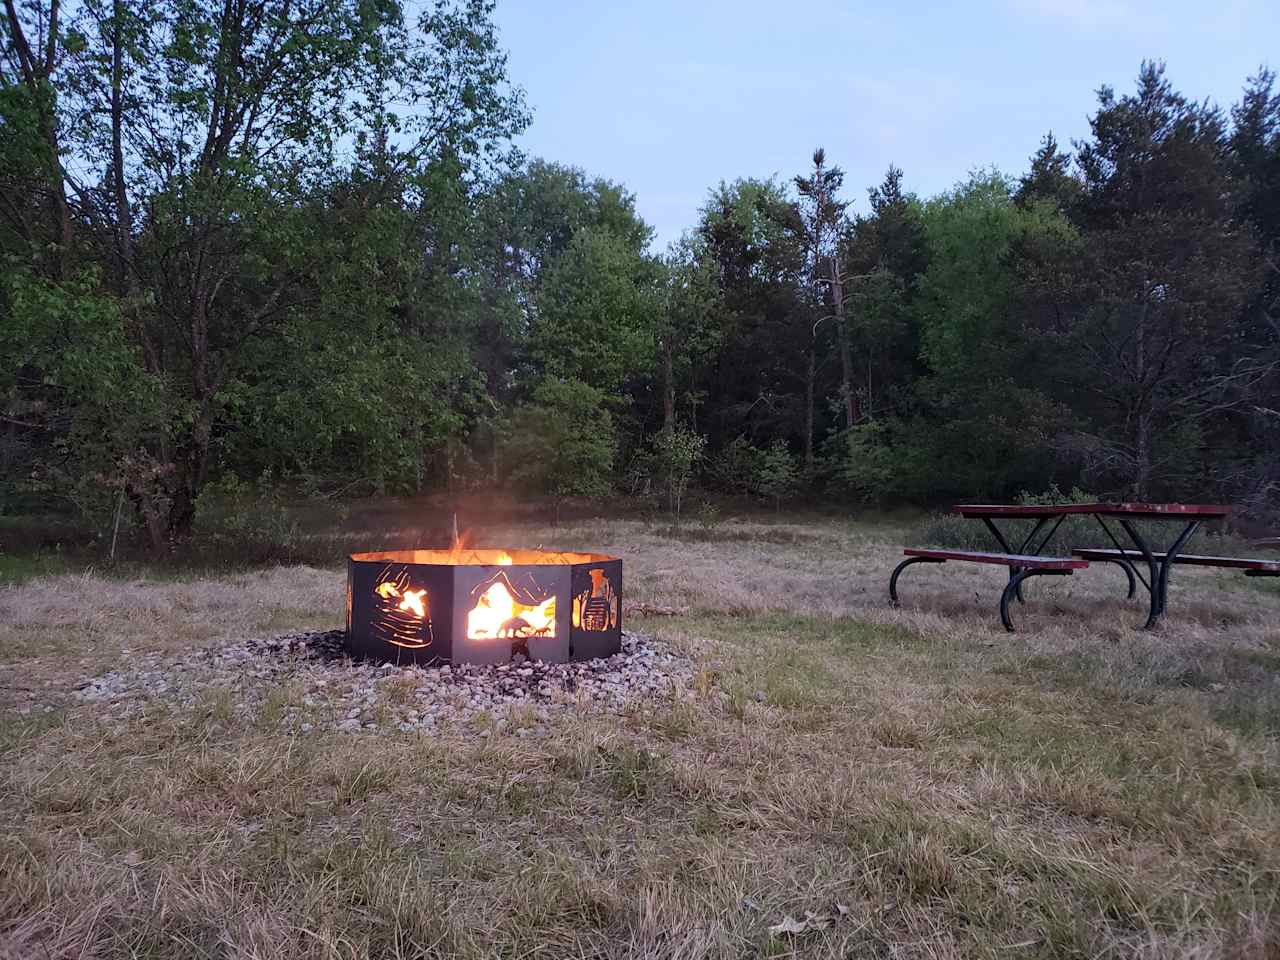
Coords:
pixel 455 551
pixel 412 601
pixel 497 614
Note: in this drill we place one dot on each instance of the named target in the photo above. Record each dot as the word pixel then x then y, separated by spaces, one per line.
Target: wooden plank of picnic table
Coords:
pixel 1002 559
pixel 1153 511
pixel 1195 559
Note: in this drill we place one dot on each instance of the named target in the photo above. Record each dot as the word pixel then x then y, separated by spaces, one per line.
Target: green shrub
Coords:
pixel 708 515
pixel 742 468
pixel 775 473
pixel 236 510
pixel 563 443
pixel 677 454
pixel 881 461
pixel 733 468
pixel 954 531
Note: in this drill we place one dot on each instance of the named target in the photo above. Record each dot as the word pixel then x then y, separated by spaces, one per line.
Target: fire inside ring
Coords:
pixel 483 606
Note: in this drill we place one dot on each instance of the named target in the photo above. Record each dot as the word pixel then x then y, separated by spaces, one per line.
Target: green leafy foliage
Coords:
pixel 597 307
pixel 676 457
pixel 769 472
pixel 275 303
pixel 878 461
pixel 1153 325
pixel 297 243
pixel 562 442
pixel 954 531
pixel 734 466
pixel 776 475
pixel 68 370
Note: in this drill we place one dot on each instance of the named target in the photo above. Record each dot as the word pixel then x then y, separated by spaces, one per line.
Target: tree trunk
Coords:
pixel 193 471
pixel 811 375
pixel 36 74
pixel 193 455
pixel 1142 480
pixel 668 389
pixel 493 437
pixel 182 511
pixel 124 218
pixel 61 207
pixel 152 519
pixel 846 364
pixel 1142 446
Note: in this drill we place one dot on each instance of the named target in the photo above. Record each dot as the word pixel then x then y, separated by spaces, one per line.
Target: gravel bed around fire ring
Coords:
pixel 327 691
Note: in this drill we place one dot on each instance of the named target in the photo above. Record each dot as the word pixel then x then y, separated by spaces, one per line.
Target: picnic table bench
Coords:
pixel 1020 568
pixel 1251 567
pixel 1026 558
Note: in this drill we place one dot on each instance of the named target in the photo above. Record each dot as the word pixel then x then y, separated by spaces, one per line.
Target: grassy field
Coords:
pixel 898 783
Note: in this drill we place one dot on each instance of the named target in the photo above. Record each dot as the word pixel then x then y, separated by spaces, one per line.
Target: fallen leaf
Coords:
pixel 789 925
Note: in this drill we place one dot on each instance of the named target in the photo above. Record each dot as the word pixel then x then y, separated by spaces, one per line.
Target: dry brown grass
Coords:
pixel 1079 789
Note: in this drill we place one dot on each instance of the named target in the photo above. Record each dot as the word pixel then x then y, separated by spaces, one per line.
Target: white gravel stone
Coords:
pixel 337 693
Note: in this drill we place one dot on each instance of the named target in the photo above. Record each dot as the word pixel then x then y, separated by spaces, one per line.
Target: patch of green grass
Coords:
pixel 1052 794
pixel 635 773
pixel 799 631
pixel 675 719
pixel 1249 713
pixel 274 706
pixel 221 703
pixel 517 796
pixel 794 679
pixel 359 777
pixel 19 568
pixel 1067 670
pixel 19 730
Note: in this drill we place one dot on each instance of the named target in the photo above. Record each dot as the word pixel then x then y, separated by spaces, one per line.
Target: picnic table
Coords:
pixel 1158 562
pixel 1026 558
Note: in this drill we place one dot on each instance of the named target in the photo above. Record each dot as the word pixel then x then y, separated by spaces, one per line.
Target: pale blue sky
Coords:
pixel 672 97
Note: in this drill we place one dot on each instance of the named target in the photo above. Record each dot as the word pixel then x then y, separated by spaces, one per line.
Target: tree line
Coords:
pixel 290 241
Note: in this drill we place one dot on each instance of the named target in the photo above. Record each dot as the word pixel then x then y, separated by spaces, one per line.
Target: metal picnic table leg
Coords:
pixel 1123 561
pixel 1169 560
pixel 1159 587
pixel 1014 586
pixel 1004 545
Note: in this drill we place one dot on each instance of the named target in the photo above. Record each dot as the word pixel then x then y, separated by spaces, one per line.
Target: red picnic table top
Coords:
pixel 1150 511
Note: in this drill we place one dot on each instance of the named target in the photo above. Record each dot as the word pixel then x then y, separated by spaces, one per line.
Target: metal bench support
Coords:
pixel 893 580
pixel 1129 572
pixel 1018 573
pixel 1014 589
